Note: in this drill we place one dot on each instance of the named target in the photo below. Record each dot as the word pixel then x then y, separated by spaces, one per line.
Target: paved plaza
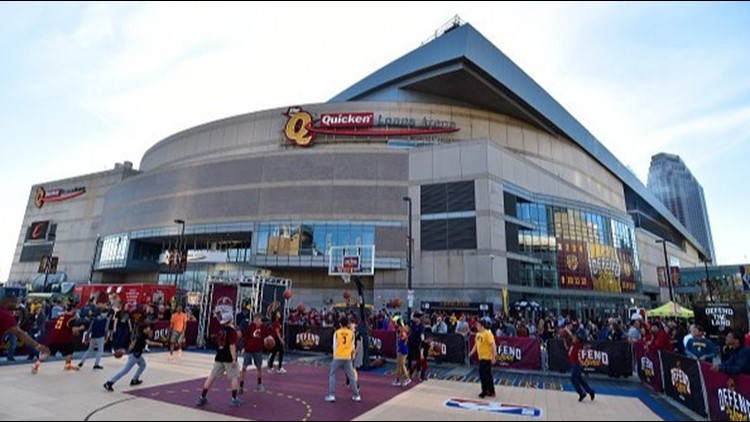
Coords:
pixel 170 389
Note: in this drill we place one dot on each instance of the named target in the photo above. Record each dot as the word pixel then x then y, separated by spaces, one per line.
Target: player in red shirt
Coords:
pixel 253 346
pixel 573 345
pixel 60 339
pixel 8 324
pixel 276 328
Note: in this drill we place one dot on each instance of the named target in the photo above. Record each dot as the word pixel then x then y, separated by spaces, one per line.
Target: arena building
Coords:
pixel 511 197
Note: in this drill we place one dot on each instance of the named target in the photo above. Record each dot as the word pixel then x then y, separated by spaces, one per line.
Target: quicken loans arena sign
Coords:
pixel 302 129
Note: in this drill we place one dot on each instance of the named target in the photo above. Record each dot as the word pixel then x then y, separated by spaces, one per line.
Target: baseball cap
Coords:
pixel 226 317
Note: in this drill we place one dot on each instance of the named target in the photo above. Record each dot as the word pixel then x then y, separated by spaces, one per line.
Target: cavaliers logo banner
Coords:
pixel 573 265
pixel 315 339
pixel 42 196
pixel 627 271
pixel 683 381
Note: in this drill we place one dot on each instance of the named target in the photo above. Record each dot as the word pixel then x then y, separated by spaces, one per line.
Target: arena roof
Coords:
pixel 464 68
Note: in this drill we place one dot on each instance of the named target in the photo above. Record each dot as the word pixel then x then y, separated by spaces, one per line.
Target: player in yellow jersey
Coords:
pixel 486 351
pixel 343 350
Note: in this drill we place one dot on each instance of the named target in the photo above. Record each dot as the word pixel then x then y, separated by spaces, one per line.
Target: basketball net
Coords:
pixel 346 274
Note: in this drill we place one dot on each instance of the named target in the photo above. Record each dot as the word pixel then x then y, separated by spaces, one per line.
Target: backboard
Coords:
pixel 351 260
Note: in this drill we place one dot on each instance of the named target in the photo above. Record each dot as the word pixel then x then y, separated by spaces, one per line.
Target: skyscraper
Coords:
pixel 673 183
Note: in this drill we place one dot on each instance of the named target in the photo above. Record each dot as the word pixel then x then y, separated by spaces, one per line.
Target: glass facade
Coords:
pixel 113 252
pixel 569 247
pixel 311 238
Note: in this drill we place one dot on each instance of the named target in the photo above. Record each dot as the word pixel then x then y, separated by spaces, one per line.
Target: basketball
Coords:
pixel 119 353
pixel 288 294
pixel 269 343
pixel 396 303
pixel 347 294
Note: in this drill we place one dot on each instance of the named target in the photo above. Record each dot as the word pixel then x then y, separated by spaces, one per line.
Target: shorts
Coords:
pixel 64 349
pixel 177 337
pixel 252 357
pixel 221 368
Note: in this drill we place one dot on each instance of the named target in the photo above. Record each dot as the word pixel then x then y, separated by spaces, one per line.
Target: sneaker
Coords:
pixel 271 370
pixel 357 398
pixel 396 383
pixel 482 395
pixel 201 401
pixel 406 382
pixel 260 388
pixel 330 399
pixel 35 368
pixel 592 394
pixel 235 402
pixel 581 397
pixel 108 386
pixel 281 371
pixel 136 382
pixel 240 390
pixel 80 364
pixel 98 367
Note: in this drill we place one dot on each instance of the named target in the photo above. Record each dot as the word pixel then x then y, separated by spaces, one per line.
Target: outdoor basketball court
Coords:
pixel 170 390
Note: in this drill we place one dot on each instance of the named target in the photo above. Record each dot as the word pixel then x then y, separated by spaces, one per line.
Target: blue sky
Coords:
pixel 86 85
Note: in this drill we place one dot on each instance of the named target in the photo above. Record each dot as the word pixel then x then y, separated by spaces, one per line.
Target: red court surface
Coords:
pixel 296 395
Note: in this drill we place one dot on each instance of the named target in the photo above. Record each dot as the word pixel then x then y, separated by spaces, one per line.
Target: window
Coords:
pixel 311 238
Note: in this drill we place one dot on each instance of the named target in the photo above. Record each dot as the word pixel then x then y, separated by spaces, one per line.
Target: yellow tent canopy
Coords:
pixel 670 309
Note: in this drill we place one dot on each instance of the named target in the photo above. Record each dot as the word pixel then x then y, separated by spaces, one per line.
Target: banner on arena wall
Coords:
pixel 573 265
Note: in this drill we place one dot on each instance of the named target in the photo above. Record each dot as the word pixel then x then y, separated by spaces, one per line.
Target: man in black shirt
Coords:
pixel 142 338
pixel 225 361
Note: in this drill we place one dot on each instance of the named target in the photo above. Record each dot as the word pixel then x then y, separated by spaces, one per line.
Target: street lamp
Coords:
pixel 708 286
pixel 181 246
pixel 667 269
pixel 408 261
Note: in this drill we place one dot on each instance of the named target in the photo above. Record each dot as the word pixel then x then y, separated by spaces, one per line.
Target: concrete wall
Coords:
pixel 651 255
pixel 77 222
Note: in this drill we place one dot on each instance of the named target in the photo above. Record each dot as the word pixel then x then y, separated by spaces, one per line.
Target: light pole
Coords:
pixel 667 270
pixel 408 261
pixel 181 246
pixel 708 283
